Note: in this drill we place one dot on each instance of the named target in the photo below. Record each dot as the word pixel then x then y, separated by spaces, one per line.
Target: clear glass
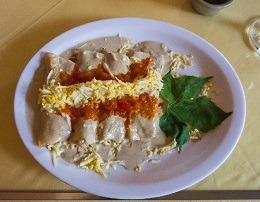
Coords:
pixel 253 32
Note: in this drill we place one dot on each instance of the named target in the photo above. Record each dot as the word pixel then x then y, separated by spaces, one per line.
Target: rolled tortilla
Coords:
pixel 112 128
pixel 85 130
pixel 55 128
pixel 88 60
pixel 56 65
pixel 116 63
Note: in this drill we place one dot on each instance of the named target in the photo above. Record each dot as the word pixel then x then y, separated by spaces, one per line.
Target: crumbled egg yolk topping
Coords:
pixel 53 97
pixel 92 161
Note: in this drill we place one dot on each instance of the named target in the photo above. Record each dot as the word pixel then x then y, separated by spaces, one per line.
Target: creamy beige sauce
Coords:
pixel 85 130
pixel 116 63
pixel 116 53
pixel 132 154
pixel 54 128
pixel 89 60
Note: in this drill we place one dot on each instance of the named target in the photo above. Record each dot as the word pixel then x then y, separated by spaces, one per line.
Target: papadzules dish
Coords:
pixel 110 101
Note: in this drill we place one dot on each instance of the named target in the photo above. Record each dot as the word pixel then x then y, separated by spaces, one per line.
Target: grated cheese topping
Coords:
pixel 54 97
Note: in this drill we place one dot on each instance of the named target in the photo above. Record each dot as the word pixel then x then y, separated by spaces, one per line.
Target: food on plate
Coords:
pixel 109 101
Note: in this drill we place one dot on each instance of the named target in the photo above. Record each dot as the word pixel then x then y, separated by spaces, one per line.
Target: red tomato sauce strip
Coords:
pixel 127 107
pixel 136 70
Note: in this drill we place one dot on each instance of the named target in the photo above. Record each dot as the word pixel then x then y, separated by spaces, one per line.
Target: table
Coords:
pixel 27 25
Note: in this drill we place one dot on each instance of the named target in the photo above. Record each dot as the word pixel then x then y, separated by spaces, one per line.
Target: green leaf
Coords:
pixel 167 87
pixel 201 113
pixel 181 88
pixel 186 107
pixel 171 127
pixel 183 137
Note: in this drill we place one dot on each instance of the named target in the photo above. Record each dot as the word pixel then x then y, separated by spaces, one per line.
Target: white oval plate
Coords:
pixel 176 171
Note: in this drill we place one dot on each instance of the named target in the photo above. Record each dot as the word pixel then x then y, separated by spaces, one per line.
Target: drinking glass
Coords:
pixel 253 33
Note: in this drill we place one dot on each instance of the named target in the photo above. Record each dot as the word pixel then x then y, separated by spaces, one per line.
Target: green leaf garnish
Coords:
pixel 176 129
pixel 186 107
